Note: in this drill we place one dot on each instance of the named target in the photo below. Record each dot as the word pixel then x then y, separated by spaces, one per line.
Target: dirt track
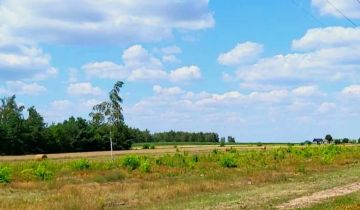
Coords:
pixel 321 196
pixel 160 150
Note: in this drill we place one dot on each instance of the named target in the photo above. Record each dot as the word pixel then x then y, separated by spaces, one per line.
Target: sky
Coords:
pixel 285 71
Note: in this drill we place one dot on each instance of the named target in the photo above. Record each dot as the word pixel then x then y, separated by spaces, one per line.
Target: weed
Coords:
pixel 81 164
pixel 146 146
pixel 145 167
pixel 215 151
pixel 5 175
pixel 222 144
pixel 131 162
pixel 42 173
pixel 152 146
pixel 228 161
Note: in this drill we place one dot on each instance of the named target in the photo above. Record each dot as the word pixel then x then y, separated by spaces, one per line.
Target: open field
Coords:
pixel 201 177
pixel 160 149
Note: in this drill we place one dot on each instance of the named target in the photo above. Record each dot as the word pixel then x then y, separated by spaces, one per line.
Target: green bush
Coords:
pixel 145 167
pixel 81 164
pixel 228 161
pixel 337 141
pixel 42 173
pixel 215 151
pixel 222 144
pixel 146 146
pixel 131 162
pixel 195 158
pixel 5 175
pixel 152 146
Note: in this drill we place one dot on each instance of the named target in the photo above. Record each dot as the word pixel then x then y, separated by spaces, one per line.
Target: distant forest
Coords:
pixel 19 135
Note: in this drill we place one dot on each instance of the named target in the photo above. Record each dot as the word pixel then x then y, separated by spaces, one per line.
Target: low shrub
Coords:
pixel 81 164
pixel 228 161
pixel 215 151
pixel 131 162
pixel 222 144
pixel 146 146
pixel 145 167
pixel 42 173
pixel 5 175
pixel 152 146
pixel 195 158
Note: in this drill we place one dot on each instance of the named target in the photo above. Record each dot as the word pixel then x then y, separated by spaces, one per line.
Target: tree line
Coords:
pixel 20 135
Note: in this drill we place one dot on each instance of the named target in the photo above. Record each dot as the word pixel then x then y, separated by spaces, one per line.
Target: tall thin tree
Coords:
pixel 110 111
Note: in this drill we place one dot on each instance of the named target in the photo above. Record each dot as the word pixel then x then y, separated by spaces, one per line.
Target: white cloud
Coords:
pixel 170 59
pixel 89 104
pixel 167 91
pixel 351 8
pixel 91 21
pixel 61 104
pixel 84 88
pixel 170 50
pixel 19 61
pixel 328 60
pixel 139 64
pixel 242 53
pixel 106 70
pixel 326 107
pixel 310 90
pixel 328 37
pixel 185 73
pixel 22 88
pixel 353 90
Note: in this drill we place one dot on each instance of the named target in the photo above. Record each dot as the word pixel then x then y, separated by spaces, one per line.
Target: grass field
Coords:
pixel 189 177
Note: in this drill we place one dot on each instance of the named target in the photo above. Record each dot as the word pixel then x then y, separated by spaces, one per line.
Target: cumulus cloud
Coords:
pixel 19 61
pixel 327 38
pixel 238 110
pixel 185 73
pixel 353 90
pixel 167 91
pixel 84 88
pixel 310 90
pixel 139 64
pixel 22 88
pixel 349 7
pixel 91 21
pixel 332 56
pixel 242 53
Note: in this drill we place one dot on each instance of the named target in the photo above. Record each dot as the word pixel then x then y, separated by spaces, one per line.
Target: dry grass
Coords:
pixel 204 185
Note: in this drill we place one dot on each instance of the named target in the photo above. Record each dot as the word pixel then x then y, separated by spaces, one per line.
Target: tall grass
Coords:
pixel 286 159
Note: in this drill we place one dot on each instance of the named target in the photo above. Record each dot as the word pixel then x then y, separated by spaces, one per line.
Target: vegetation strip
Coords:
pixel 319 197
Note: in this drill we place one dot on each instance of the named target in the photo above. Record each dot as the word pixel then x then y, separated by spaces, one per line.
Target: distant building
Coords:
pixel 318 141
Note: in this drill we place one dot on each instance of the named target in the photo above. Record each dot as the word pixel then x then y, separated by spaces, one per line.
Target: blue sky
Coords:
pixel 283 71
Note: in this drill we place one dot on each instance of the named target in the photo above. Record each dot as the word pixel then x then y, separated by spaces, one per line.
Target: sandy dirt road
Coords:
pixel 321 196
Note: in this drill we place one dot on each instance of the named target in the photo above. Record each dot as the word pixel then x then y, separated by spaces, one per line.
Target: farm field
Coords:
pixel 204 177
pixel 137 149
